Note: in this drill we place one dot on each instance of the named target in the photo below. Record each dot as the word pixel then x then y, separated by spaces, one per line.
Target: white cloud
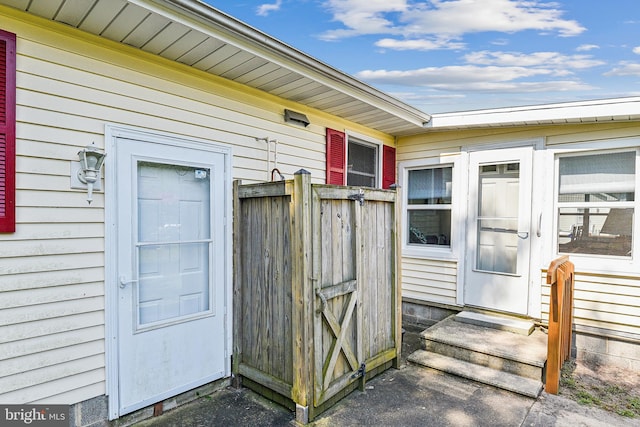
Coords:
pixel 500 42
pixel 458 17
pixel 419 44
pixel 478 77
pixel 519 87
pixel 535 59
pixel 364 17
pixel 450 75
pixel 636 50
pixel 587 47
pixel 625 69
pixel 265 9
pixel 431 96
pixel 446 18
pixel 427 25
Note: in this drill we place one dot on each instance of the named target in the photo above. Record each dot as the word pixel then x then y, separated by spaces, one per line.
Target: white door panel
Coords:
pixel 171 259
pixel 498 242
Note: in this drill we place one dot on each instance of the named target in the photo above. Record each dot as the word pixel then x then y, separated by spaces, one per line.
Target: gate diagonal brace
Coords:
pixel 339 330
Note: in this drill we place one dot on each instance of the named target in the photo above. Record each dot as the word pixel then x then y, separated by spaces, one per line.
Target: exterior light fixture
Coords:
pixel 87 170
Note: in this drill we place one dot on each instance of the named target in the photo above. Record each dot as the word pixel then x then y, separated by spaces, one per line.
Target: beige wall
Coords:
pixel 52 269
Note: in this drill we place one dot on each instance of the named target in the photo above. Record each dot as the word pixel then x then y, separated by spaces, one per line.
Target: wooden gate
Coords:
pixel 353 268
pixel 316 300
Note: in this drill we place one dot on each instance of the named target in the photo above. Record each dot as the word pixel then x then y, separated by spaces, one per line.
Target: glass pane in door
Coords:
pixel 497 221
pixel 174 241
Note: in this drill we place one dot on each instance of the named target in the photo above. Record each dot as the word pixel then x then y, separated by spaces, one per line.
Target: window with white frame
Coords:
pixel 596 203
pixel 429 205
pixel 362 163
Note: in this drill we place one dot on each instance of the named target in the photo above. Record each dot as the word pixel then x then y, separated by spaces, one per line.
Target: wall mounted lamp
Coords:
pixel 85 173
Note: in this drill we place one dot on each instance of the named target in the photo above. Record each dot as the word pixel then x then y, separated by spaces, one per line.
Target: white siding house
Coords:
pixel 603 140
pixel 184 99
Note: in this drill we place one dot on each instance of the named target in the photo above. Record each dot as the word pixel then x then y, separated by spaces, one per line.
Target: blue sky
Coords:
pixel 456 55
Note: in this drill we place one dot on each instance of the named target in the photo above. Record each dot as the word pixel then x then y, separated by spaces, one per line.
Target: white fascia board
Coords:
pixel 210 21
pixel 616 109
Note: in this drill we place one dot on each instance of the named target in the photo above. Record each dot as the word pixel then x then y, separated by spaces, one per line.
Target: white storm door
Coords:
pixel 171 252
pixel 499 237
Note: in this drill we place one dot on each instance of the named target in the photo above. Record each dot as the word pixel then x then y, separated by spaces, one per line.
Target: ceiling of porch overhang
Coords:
pixel 200 36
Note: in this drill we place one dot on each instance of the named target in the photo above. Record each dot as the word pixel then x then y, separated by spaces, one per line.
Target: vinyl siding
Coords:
pixel 429 280
pixel 602 302
pixel 52 269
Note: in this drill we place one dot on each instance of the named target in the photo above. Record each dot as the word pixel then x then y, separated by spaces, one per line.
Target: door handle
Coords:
pixel 539 231
pixel 124 282
pixel 523 234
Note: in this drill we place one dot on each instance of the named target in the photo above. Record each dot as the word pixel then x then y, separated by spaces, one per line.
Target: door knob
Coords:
pixel 124 282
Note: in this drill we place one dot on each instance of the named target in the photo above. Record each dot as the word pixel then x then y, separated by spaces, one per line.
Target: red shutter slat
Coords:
pixel 336 147
pixel 7 131
pixel 388 166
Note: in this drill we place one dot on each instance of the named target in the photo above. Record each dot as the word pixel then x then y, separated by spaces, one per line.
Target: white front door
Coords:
pixel 171 270
pixel 499 225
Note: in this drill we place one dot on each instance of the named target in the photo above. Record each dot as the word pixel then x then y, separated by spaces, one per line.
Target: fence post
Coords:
pixel 397 271
pixel 237 294
pixel 560 276
pixel 302 298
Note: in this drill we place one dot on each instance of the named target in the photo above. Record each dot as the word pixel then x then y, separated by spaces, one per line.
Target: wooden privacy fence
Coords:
pixel 560 276
pixel 316 298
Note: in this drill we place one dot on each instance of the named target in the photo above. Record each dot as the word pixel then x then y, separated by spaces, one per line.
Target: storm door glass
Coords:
pixel 498 199
pixel 174 243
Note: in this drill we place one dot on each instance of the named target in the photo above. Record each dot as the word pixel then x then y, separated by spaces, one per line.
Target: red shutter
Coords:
pixel 388 166
pixel 7 132
pixel 336 148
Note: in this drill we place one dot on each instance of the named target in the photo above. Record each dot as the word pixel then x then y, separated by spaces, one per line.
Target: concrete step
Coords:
pixel 503 323
pixel 494 348
pixel 504 380
pixel 494 356
pixel 481 358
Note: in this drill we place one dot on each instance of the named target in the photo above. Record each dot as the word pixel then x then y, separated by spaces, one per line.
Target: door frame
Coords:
pixel 112 134
pixel 539 217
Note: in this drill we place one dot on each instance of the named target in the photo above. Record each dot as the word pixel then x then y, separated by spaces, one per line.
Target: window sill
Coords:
pixel 431 252
pixel 607 265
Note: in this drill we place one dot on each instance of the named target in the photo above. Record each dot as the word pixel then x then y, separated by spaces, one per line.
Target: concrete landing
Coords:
pixel 510 324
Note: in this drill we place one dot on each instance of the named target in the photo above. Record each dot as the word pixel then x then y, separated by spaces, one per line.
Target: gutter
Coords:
pixel 594 111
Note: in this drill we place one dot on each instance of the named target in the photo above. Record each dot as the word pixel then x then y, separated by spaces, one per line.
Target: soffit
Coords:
pixel 200 36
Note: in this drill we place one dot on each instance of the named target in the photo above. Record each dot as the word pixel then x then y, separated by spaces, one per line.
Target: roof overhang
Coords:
pixel 596 111
pixel 198 35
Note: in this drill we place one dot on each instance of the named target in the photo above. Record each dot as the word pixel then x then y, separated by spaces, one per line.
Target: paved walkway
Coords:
pixel 409 396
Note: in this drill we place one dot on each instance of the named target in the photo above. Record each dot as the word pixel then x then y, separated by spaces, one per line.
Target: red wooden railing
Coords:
pixel 560 276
